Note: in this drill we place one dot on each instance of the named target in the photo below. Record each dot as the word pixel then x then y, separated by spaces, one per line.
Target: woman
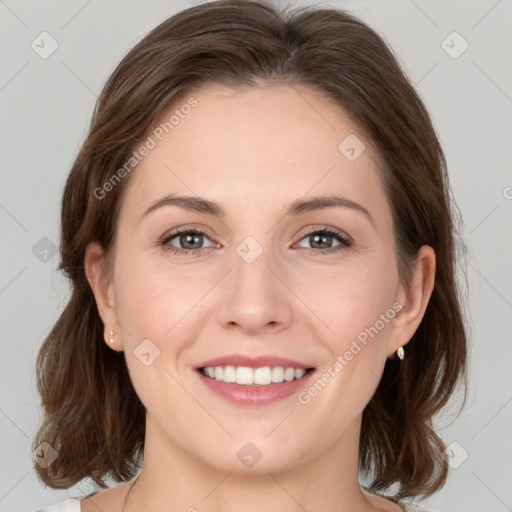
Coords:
pixel 259 236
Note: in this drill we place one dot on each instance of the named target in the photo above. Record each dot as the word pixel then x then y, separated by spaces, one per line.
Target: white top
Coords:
pixel 74 505
pixel 69 505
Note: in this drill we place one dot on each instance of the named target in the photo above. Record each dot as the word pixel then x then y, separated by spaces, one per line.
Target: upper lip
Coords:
pixel 252 362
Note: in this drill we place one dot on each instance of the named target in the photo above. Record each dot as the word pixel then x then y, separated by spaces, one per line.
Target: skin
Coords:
pixel 254 151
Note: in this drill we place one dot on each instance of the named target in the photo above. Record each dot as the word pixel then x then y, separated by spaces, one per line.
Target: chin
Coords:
pixel 254 455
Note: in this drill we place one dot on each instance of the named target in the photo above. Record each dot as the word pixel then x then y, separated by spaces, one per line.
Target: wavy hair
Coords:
pixel 92 414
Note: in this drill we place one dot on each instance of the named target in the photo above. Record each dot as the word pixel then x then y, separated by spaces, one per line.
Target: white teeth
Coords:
pixel 244 375
pixel 300 373
pixel 289 374
pixel 249 376
pixel 229 374
pixel 263 376
pixel 277 374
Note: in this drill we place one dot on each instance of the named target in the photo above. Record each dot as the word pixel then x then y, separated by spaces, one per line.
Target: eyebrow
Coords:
pixel 297 207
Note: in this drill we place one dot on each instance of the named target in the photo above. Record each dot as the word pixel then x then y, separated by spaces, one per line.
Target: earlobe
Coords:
pixel 414 300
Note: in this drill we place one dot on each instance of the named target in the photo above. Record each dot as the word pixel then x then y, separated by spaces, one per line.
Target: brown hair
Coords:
pixel 93 416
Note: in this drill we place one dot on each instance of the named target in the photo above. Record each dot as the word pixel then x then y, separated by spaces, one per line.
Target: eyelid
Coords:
pixel 185 229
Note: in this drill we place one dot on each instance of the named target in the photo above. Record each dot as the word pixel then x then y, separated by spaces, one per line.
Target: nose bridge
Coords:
pixel 252 279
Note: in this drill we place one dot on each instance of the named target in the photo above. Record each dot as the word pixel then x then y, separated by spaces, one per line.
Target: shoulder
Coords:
pixel 106 499
pixel 411 507
pixel 69 505
pixel 404 505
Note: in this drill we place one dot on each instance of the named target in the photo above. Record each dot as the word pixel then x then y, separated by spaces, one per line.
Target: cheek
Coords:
pixel 359 291
pixel 152 300
pixel 358 310
pixel 154 309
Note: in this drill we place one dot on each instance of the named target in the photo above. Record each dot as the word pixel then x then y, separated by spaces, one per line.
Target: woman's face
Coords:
pixel 258 279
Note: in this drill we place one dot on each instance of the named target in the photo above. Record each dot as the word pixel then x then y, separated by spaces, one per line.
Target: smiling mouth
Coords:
pixel 246 376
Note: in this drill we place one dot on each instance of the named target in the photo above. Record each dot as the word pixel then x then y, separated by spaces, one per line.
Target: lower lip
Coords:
pixel 255 394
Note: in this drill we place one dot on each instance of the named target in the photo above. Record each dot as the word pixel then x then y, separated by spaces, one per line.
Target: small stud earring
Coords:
pixel 400 353
pixel 111 336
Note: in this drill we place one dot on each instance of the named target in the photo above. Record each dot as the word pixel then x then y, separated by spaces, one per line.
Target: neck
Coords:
pixel 172 479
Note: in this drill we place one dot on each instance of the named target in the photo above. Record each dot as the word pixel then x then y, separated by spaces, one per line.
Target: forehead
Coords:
pixel 251 143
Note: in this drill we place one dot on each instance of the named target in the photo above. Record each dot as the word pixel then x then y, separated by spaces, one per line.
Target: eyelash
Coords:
pixel 344 241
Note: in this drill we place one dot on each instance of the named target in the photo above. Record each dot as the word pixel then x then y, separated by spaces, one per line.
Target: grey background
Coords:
pixel 46 105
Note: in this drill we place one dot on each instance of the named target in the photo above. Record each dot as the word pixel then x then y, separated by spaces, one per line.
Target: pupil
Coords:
pixel 318 237
pixel 185 239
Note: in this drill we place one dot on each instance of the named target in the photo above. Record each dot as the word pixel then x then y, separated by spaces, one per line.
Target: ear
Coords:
pixel 97 276
pixel 413 299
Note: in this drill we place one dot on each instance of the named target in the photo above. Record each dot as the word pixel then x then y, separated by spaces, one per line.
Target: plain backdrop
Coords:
pixel 46 105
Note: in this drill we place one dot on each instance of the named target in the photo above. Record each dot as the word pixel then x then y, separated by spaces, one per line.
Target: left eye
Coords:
pixel 323 238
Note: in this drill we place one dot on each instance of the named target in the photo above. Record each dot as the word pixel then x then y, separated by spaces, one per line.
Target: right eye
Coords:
pixel 186 238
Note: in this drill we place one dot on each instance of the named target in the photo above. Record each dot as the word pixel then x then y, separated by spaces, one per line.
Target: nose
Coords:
pixel 254 296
